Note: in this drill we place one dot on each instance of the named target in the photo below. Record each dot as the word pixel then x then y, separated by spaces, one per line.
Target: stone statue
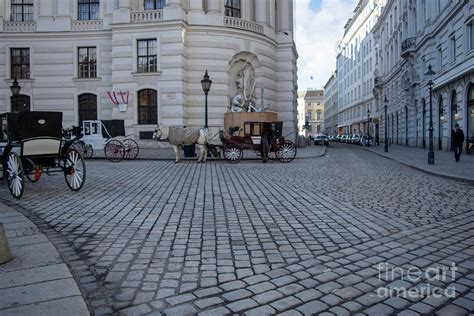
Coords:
pixel 245 99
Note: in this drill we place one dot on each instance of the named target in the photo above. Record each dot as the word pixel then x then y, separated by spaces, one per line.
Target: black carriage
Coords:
pixel 253 137
pixel 32 145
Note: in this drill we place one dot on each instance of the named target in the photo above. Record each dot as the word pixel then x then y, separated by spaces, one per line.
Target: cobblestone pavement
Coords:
pixel 309 237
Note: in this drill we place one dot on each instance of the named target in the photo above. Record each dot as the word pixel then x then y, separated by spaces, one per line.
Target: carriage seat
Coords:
pixel 41 146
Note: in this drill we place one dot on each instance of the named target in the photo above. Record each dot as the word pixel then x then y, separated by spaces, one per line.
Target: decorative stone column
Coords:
pixel 284 11
pixel 261 11
pixel 196 12
pixel 122 14
pixel 174 10
pixel 214 6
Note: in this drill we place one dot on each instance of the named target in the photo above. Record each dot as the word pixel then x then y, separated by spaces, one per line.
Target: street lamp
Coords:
pixel 206 86
pixel 15 89
pixel 385 105
pixel 430 73
pixel 368 127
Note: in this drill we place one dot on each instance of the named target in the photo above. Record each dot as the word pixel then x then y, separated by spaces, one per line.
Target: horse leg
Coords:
pixel 200 153
pixel 177 153
pixel 204 152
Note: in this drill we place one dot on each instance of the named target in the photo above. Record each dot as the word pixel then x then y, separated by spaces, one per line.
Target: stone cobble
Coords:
pixel 305 237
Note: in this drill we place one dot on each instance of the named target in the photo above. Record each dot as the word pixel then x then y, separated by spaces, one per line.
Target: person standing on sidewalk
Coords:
pixel 457 136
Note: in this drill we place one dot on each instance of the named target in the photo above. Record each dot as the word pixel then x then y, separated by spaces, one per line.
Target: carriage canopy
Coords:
pixel 31 124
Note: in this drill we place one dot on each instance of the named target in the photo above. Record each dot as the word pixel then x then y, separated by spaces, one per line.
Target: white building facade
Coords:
pixel 71 56
pixel 330 105
pixel 355 69
pixel 412 36
pixel 311 112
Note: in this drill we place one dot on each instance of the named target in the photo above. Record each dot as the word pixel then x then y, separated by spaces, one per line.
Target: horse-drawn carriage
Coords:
pixel 265 138
pixel 109 136
pixel 32 144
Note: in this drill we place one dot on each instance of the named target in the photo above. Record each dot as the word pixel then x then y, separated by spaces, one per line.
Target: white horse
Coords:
pixel 179 136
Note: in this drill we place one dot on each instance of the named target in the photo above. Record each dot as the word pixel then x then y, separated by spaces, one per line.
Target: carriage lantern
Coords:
pixel 206 87
pixel 15 88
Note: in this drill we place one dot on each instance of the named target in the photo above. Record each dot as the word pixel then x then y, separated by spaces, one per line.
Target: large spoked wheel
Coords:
pixel 15 175
pixel 114 151
pixel 79 146
pixel 233 153
pixel 131 149
pixel 286 151
pixel 88 151
pixel 74 170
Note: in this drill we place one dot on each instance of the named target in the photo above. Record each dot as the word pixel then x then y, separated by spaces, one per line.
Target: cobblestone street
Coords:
pixel 306 237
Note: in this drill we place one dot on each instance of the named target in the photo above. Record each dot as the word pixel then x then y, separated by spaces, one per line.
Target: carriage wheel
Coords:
pixel 15 175
pixel 114 151
pixel 233 153
pixel 88 151
pixel 74 170
pixel 36 175
pixel 131 149
pixel 286 151
pixel 79 146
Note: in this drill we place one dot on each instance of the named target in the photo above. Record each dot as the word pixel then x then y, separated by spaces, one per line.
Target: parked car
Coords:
pixel 321 140
pixel 365 141
pixel 355 139
pixel 338 138
pixel 345 138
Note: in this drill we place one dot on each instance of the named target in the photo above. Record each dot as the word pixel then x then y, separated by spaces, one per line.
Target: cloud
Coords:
pixel 316 37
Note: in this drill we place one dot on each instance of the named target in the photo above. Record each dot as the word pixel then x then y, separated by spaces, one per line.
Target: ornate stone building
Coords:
pixel 411 36
pixel 72 56
pixel 330 105
pixel 311 112
pixel 355 69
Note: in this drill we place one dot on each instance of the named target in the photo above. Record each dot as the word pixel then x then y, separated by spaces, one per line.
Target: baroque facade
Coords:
pixel 143 61
pixel 413 36
pixel 355 69
pixel 330 105
pixel 311 112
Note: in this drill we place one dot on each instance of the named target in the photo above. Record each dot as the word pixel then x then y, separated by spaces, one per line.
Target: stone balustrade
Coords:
pixel 243 25
pixel 146 16
pixel 86 25
pixel 19 26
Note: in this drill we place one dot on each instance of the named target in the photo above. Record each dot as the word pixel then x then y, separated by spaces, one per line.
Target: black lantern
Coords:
pixel 15 89
pixel 206 87
pixel 385 105
pixel 430 73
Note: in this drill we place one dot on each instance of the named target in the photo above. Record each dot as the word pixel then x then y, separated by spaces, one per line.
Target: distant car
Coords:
pixel 355 139
pixel 365 141
pixel 345 138
pixel 321 140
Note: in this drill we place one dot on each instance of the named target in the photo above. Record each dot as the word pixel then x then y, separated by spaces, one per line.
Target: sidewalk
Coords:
pixel 445 165
pixel 168 154
pixel 36 281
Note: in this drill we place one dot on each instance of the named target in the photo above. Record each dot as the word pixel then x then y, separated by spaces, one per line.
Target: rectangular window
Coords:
pixel 20 63
pixel 89 9
pixel 147 55
pixel 470 35
pixel 232 8
pixel 440 57
pixel 453 48
pixel 87 62
pixel 154 4
pixel 22 10
pixel 318 114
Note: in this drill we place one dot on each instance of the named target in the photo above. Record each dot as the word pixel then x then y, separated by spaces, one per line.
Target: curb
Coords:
pixel 437 174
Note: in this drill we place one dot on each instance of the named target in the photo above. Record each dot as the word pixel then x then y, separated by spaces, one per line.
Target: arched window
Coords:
pixel 454 108
pixel 440 122
pixel 154 4
pixel 232 8
pixel 406 125
pixel 470 116
pixel 87 107
pixel 20 103
pixel 147 107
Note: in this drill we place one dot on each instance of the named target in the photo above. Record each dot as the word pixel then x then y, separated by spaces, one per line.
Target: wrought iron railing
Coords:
pixel 408 45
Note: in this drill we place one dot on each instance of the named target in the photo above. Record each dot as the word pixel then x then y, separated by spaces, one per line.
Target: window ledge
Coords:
pixel 86 79
pixel 145 74
pixel 20 80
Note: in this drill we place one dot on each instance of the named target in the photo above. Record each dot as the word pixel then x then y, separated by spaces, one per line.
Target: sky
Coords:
pixel 319 25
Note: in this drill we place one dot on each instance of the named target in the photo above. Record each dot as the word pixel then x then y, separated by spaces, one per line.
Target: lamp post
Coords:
pixel 429 74
pixel 206 86
pixel 368 127
pixel 15 89
pixel 385 105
